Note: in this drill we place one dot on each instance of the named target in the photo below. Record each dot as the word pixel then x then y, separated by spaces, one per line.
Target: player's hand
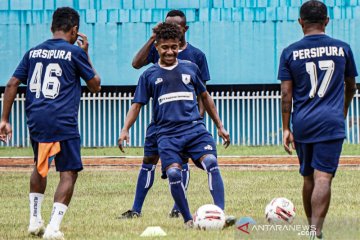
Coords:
pixel 83 42
pixel 5 131
pixel 154 29
pixel 288 139
pixel 225 136
pixel 124 136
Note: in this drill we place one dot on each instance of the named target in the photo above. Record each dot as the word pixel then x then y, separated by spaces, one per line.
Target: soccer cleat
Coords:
pixel 229 221
pixel 174 213
pixel 189 224
pixel 36 228
pixel 129 214
pixel 52 234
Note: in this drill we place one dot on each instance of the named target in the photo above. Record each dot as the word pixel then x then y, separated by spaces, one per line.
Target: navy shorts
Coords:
pixel 322 156
pixel 195 144
pixel 151 145
pixel 68 159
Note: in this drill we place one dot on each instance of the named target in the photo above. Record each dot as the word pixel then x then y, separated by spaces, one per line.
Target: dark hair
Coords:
pixel 313 11
pixel 176 13
pixel 64 19
pixel 167 31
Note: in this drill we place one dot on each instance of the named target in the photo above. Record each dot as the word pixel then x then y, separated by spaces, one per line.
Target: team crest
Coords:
pixel 186 78
pixel 158 80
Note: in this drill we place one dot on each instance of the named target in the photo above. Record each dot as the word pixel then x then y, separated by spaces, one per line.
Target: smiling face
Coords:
pixel 168 51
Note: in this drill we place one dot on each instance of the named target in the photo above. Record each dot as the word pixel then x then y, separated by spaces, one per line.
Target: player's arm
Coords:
pixel 350 89
pixel 286 106
pixel 131 117
pixel 209 105
pixel 94 84
pixel 141 57
pixel 9 97
pixel 201 105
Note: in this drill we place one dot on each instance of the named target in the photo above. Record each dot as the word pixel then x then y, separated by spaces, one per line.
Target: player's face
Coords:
pixel 178 21
pixel 168 51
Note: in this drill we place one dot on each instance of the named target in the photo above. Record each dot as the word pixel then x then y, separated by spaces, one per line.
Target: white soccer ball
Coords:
pixel 280 210
pixel 209 217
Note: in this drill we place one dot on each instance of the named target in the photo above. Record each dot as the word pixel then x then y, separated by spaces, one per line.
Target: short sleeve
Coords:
pixel 198 83
pixel 143 91
pixel 83 66
pixel 153 56
pixel 350 67
pixel 204 69
pixel 284 69
pixel 22 69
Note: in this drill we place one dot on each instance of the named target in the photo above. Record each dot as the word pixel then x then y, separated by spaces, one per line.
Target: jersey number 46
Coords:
pixel 51 84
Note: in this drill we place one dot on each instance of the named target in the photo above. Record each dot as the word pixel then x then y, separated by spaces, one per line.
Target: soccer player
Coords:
pixel 317 77
pixel 174 85
pixel 52 72
pixel 148 54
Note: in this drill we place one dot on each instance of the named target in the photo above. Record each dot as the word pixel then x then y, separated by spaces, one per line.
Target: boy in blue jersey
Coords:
pixel 52 72
pixel 174 85
pixel 148 54
pixel 314 73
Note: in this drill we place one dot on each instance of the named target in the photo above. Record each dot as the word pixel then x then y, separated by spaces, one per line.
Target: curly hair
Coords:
pixel 313 11
pixel 167 31
pixel 64 19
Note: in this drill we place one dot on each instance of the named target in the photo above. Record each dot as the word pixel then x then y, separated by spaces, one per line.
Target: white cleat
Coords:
pixel 52 234
pixel 36 228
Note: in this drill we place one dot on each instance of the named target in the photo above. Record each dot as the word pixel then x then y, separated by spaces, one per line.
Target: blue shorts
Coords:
pixel 195 144
pixel 322 156
pixel 68 159
pixel 151 145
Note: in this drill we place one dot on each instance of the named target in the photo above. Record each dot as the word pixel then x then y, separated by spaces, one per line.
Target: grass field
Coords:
pixel 348 149
pixel 100 196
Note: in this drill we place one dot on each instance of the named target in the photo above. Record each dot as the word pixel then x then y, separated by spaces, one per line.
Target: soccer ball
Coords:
pixel 209 217
pixel 280 210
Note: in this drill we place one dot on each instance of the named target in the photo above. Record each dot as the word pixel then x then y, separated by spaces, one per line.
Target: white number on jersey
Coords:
pixel 51 83
pixel 326 65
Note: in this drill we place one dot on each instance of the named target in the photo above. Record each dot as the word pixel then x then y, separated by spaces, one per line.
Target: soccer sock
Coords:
pixel 178 192
pixel 215 181
pixel 57 215
pixel 35 206
pixel 144 183
pixel 185 173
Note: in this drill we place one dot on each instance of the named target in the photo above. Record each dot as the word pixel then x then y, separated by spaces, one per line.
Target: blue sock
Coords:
pixel 215 181
pixel 144 183
pixel 178 192
pixel 185 173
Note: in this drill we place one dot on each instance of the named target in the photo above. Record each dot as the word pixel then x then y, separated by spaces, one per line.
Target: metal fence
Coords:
pixel 252 118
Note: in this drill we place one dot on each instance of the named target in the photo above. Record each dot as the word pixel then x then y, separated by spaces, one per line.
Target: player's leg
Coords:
pixel 305 155
pixel 36 196
pixel 185 172
pixel 68 163
pixel 146 174
pixel 325 162
pixel 169 149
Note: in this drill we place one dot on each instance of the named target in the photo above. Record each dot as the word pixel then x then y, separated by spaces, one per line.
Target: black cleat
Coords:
pixel 229 221
pixel 174 214
pixel 129 215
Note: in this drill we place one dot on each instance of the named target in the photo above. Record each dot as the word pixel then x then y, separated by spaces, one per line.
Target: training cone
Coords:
pixel 153 232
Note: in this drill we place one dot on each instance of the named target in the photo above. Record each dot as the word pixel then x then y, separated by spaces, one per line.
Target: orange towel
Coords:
pixel 46 151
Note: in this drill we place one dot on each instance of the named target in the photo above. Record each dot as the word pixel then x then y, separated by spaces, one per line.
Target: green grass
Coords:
pixel 348 149
pixel 100 196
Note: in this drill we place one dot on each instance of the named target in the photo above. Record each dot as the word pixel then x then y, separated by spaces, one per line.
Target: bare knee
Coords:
pixel 69 176
pixel 154 159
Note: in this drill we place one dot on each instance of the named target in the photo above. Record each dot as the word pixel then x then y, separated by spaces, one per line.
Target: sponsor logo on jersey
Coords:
pixel 208 147
pixel 158 80
pixel 176 96
pixel 186 78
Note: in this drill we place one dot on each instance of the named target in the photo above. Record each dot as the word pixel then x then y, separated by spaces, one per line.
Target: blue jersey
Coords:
pixel 52 72
pixel 174 92
pixel 191 54
pixel 317 65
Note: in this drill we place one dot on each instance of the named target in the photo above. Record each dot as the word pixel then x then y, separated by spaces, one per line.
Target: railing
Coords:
pixel 252 118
